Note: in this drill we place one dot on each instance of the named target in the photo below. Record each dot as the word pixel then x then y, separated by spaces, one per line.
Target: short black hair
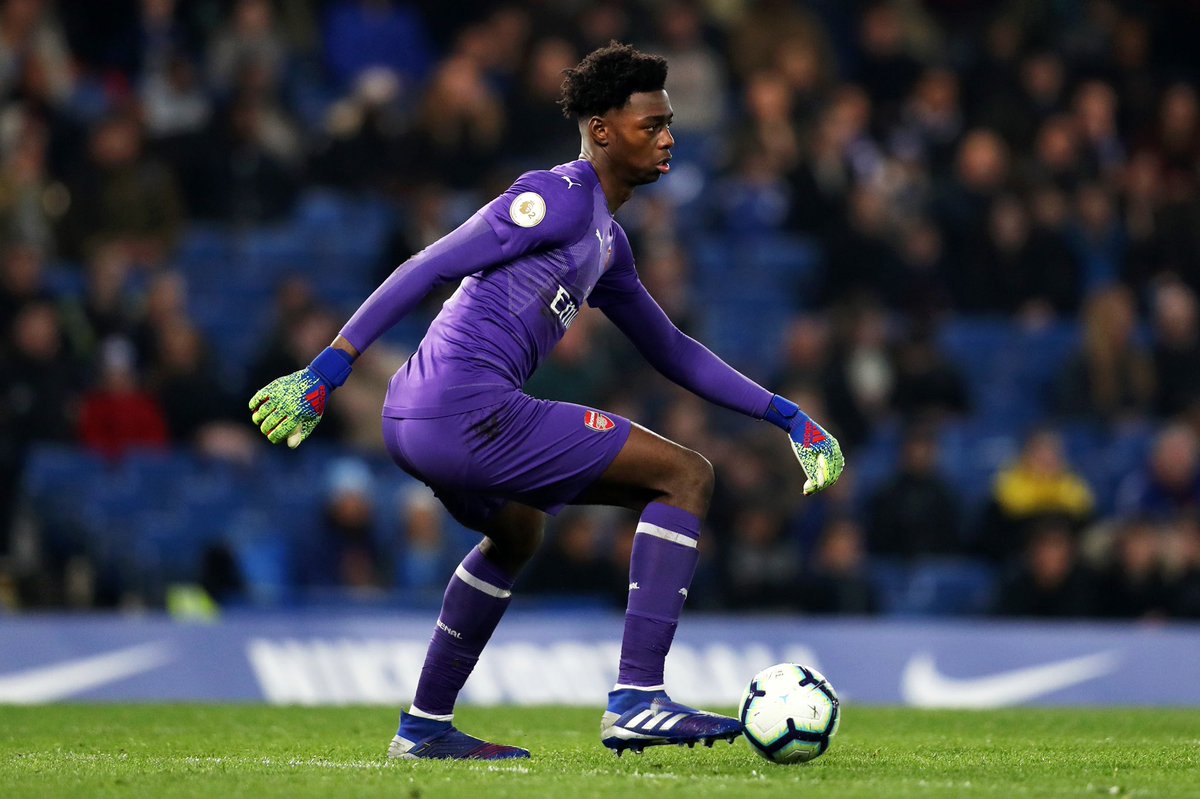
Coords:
pixel 606 77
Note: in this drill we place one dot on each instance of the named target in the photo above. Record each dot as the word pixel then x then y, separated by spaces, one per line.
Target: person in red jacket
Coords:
pixel 118 414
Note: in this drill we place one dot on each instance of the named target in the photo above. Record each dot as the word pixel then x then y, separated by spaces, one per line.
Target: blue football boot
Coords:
pixel 637 719
pixel 427 739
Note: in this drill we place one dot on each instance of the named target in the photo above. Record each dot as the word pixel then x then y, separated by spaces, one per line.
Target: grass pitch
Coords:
pixel 230 751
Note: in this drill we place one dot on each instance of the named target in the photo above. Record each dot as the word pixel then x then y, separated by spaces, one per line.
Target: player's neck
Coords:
pixel 616 191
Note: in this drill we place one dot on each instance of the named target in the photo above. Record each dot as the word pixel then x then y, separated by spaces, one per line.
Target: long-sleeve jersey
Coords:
pixel 528 261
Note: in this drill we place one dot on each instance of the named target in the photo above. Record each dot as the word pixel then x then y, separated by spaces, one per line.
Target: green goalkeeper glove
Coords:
pixel 290 407
pixel 819 453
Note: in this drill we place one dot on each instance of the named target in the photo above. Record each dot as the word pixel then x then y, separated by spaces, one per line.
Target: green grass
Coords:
pixel 231 751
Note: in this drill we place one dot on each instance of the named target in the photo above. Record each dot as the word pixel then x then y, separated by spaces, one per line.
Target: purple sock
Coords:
pixel 660 571
pixel 475 599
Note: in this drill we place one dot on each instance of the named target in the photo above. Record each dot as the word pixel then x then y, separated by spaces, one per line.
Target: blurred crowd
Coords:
pixel 1033 162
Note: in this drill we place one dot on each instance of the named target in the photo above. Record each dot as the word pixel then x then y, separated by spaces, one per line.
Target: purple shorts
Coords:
pixel 532 451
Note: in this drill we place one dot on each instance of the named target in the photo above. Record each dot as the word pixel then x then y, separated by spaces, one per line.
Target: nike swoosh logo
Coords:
pixel 70 677
pixel 923 685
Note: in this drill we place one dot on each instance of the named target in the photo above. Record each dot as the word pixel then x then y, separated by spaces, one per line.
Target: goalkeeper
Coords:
pixel 499 460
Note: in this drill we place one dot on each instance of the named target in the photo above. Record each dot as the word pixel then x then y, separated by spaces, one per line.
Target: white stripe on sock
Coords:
pixel 413 710
pixel 666 535
pixel 480 585
pixel 620 687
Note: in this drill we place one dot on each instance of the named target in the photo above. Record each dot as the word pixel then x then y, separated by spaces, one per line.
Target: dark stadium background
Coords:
pixel 964 235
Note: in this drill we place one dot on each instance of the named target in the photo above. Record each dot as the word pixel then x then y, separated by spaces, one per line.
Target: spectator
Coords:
pixel 1176 349
pixel 763 568
pixel 1039 487
pixel 122 197
pixel 1020 270
pixel 42 384
pixel 177 108
pixel 164 303
pixel 457 131
pixel 758 35
pixel 924 290
pixel 697 80
pixel 1111 378
pixel 425 556
pixel 1050 582
pixel 1042 80
pixel 862 376
pixel 576 370
pixel 118 414
pixel 220 575
pixel 1133 587
pixel 1183 564
pixel 575 562
pixel 962 203
pixel 248 39
pixel 535 126
pixel 243 178
pixel 182 380
pixel 1096 237
pixel 31 42
pixel 31 204
pixel 928 384
pixel 1167 486
pixel 108 306
pixel 360 136
pixel 1095 112
pixel 22 282
pixel 805 356
pixel 38 401
pixel 931 121
pixel 838 582
pixel 885 67
pixel 1056 158
pixel 916 512
pixel 344 553
pixel 1149 255
pixel 862 261
pixel 1177 138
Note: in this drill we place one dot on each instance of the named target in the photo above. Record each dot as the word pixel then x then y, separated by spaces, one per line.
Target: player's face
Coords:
pixel 641 139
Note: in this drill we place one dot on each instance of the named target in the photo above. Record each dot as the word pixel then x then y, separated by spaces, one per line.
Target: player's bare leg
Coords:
pixel 671 486
pixel 475 600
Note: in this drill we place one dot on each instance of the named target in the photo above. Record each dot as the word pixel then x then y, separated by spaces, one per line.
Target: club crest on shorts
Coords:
pixel 598 421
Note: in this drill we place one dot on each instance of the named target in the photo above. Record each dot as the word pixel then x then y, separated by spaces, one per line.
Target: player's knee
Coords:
pixel 515 545
pixel 695 481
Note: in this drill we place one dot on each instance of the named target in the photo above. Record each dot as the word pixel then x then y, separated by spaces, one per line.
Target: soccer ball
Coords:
pixel 789 713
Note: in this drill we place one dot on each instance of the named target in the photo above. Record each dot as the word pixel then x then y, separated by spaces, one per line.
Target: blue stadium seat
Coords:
pixel 890 580
pixel 972 452
pixel 56 470
pixel 263 549
pixel 946 587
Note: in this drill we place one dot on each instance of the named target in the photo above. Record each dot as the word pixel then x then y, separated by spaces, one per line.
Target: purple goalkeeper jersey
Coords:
pixel 528 261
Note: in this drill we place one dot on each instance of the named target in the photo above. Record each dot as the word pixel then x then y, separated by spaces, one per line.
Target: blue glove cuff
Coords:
pixel 782 413
pixel 332 366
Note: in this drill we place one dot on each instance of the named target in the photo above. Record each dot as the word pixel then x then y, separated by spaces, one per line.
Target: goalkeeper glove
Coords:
pixel 290 407
pixel 819 453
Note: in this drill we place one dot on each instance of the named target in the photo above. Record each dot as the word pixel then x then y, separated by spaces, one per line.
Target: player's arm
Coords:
pixel 289 408
pixel 679 357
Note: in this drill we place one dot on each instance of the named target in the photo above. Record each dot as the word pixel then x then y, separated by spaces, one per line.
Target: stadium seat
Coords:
pixel 945 587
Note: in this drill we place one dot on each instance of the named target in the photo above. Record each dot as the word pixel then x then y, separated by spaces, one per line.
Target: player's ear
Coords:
pixel 597 129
